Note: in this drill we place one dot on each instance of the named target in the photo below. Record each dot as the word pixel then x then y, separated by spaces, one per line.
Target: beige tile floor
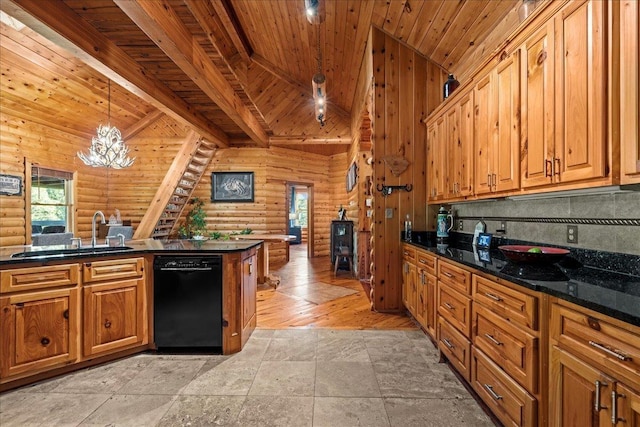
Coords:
pixel 281 378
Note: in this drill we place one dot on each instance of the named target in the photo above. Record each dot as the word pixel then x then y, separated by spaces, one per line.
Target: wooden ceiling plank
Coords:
pixel 408 20
pixel 164 27
pixel 395 11
pixel 229 20
pixel 424 21
pixel 59 24
pixel 307 140
pixel 440 25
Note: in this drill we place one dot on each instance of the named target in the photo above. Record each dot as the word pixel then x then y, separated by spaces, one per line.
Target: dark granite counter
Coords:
pixel 68 252
pixel 613 293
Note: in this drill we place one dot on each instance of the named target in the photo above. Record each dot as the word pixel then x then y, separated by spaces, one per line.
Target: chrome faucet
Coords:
pixel 93 227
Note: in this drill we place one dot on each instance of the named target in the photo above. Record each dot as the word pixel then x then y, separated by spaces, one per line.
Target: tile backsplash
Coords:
pixel 612 238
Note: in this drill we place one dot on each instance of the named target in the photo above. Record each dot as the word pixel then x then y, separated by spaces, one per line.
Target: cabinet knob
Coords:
pixel 45 341
pixel 107 324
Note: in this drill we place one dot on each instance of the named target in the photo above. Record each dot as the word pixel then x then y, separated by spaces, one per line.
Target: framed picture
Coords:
pixel 484 240
pixel 352 176
pixel 232 187
pixel 10 185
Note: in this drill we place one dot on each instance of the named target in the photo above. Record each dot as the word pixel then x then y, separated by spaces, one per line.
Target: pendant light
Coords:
pixel 107 147
pixel 318 84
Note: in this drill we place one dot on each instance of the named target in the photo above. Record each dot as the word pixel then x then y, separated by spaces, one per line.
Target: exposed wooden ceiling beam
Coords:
pixel 58 23
pixel 160 23
pixel 138 127
pixel 309 140
pixel 207 18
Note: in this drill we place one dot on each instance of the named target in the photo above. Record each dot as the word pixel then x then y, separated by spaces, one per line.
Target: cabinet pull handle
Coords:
pixel 422 260
pixel 250 268
pixel 557 170
pixel 492 296
pixel 614 408
pixel 422 277
pixel 65 314
pixel 448 343
pixel 449 275
pixel 493 394
pixel 489 180
pixel 107 324
pixel 492 339
pixel 548 164
pixel 597 405
pixel 449 306
pixel 45 341
pixel 615 353
pixel 494 180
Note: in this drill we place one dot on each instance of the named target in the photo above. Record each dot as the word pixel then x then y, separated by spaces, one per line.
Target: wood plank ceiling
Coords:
pixel 239 71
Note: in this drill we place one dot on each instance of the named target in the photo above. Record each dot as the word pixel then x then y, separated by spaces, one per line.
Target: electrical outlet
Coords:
pixel 503 226
pixel 460 225
pixel 572 234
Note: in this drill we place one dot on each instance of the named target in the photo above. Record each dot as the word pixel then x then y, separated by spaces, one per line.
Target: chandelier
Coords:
pixel 107 147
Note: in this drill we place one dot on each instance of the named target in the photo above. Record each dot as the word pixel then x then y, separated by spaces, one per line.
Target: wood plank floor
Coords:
pixel 300 301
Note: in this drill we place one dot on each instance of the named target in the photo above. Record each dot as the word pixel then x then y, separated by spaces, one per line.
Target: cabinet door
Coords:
pixel 580 91
pixel 580 395
pixel 405 283
pixel 464 147
pixel 537 122
pixel 484 135
pixel 114 316
pixel 506 149
pixel 421 297
pixel 630 90
pixel 431 309
pixel 438 159
pixel 628 403
pixel 451 152
pixel 39 331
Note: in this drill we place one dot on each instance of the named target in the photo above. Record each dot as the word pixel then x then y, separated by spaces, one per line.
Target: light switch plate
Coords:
pixel 388 213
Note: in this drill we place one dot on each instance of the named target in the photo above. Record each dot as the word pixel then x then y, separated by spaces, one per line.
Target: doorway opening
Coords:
pixel 300 218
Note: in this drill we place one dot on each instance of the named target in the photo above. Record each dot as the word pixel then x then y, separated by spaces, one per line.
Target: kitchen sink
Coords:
pixel 51 253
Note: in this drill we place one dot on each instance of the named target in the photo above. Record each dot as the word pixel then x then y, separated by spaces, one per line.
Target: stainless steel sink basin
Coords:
pixel 52 253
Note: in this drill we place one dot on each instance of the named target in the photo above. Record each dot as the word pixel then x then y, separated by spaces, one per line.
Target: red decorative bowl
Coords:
pixel 520 253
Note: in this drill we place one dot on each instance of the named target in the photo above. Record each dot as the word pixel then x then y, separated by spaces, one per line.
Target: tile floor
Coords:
pixel 282 378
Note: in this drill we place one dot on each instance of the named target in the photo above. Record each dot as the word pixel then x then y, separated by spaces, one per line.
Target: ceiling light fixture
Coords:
pixel 318 83
pixel 314 11
pixel 107 148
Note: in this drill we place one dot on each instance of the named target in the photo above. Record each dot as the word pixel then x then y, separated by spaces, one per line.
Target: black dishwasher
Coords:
pixel 188 303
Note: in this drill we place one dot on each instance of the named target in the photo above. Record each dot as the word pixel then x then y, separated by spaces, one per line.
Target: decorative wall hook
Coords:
pixel 386 190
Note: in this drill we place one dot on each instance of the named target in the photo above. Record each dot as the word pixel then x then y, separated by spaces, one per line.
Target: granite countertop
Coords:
pixel 613 293
pixel 137 247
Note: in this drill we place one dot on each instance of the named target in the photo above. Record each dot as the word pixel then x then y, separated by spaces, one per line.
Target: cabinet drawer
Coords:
pixel 408 252
pixel 515 350
pixel 426 261
pixel 112 269
pixel 24 279
pixel 456 277
pixel 611 345
pixel 514 306
pixel 507 400
pixel 455 347
pixel 455 308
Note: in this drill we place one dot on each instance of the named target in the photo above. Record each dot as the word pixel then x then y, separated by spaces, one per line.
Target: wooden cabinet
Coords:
pixel 426 316
pixel 497 128
pixel 31 278
pixel 39 331
pixel 580 82
pixel 630 91
pixel 409 287
pixel 594 368
pixel 341 241
pixel 249 295
pixel 436 158
pixel 115 307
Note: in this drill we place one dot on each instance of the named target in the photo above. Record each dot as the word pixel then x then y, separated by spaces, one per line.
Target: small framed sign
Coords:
pixel 484 240
pixel 232 187
pixel 10 185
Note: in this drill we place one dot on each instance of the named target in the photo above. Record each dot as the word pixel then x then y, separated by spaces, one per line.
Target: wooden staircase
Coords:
pixel 172 196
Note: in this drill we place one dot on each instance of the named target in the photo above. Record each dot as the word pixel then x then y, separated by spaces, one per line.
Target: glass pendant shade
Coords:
pixel 107 147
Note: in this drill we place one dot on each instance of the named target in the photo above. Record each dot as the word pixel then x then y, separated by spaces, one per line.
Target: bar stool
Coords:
pixel 344 254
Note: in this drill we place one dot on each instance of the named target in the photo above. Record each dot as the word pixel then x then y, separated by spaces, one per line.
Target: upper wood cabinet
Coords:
pixel 497 128
pixel 460 147
pixel 630 91
pixel 436 158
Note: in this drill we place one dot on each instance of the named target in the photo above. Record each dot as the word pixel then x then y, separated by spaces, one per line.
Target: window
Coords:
pixel 301 208
pixel 51 200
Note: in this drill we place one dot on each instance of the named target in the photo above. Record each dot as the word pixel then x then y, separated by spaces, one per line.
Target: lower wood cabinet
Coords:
pixel 456 347
pixel 249 295
pixel 509 401
pixel 39 331
pixel 629 404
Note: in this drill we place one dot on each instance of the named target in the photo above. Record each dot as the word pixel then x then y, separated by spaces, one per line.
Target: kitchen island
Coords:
pixel 64 308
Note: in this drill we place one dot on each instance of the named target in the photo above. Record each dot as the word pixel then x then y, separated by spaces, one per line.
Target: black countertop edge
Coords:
pixel 144 246
pixel 614 294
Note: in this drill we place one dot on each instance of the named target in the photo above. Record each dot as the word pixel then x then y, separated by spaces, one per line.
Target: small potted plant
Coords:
pixel 195 224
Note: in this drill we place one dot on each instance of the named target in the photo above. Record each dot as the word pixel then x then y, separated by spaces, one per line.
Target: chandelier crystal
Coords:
pixel 107 147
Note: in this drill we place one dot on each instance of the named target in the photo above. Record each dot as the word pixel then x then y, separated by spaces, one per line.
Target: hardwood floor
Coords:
pixel 309 296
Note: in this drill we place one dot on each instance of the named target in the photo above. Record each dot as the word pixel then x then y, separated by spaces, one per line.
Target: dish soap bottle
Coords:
pixel 407 229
